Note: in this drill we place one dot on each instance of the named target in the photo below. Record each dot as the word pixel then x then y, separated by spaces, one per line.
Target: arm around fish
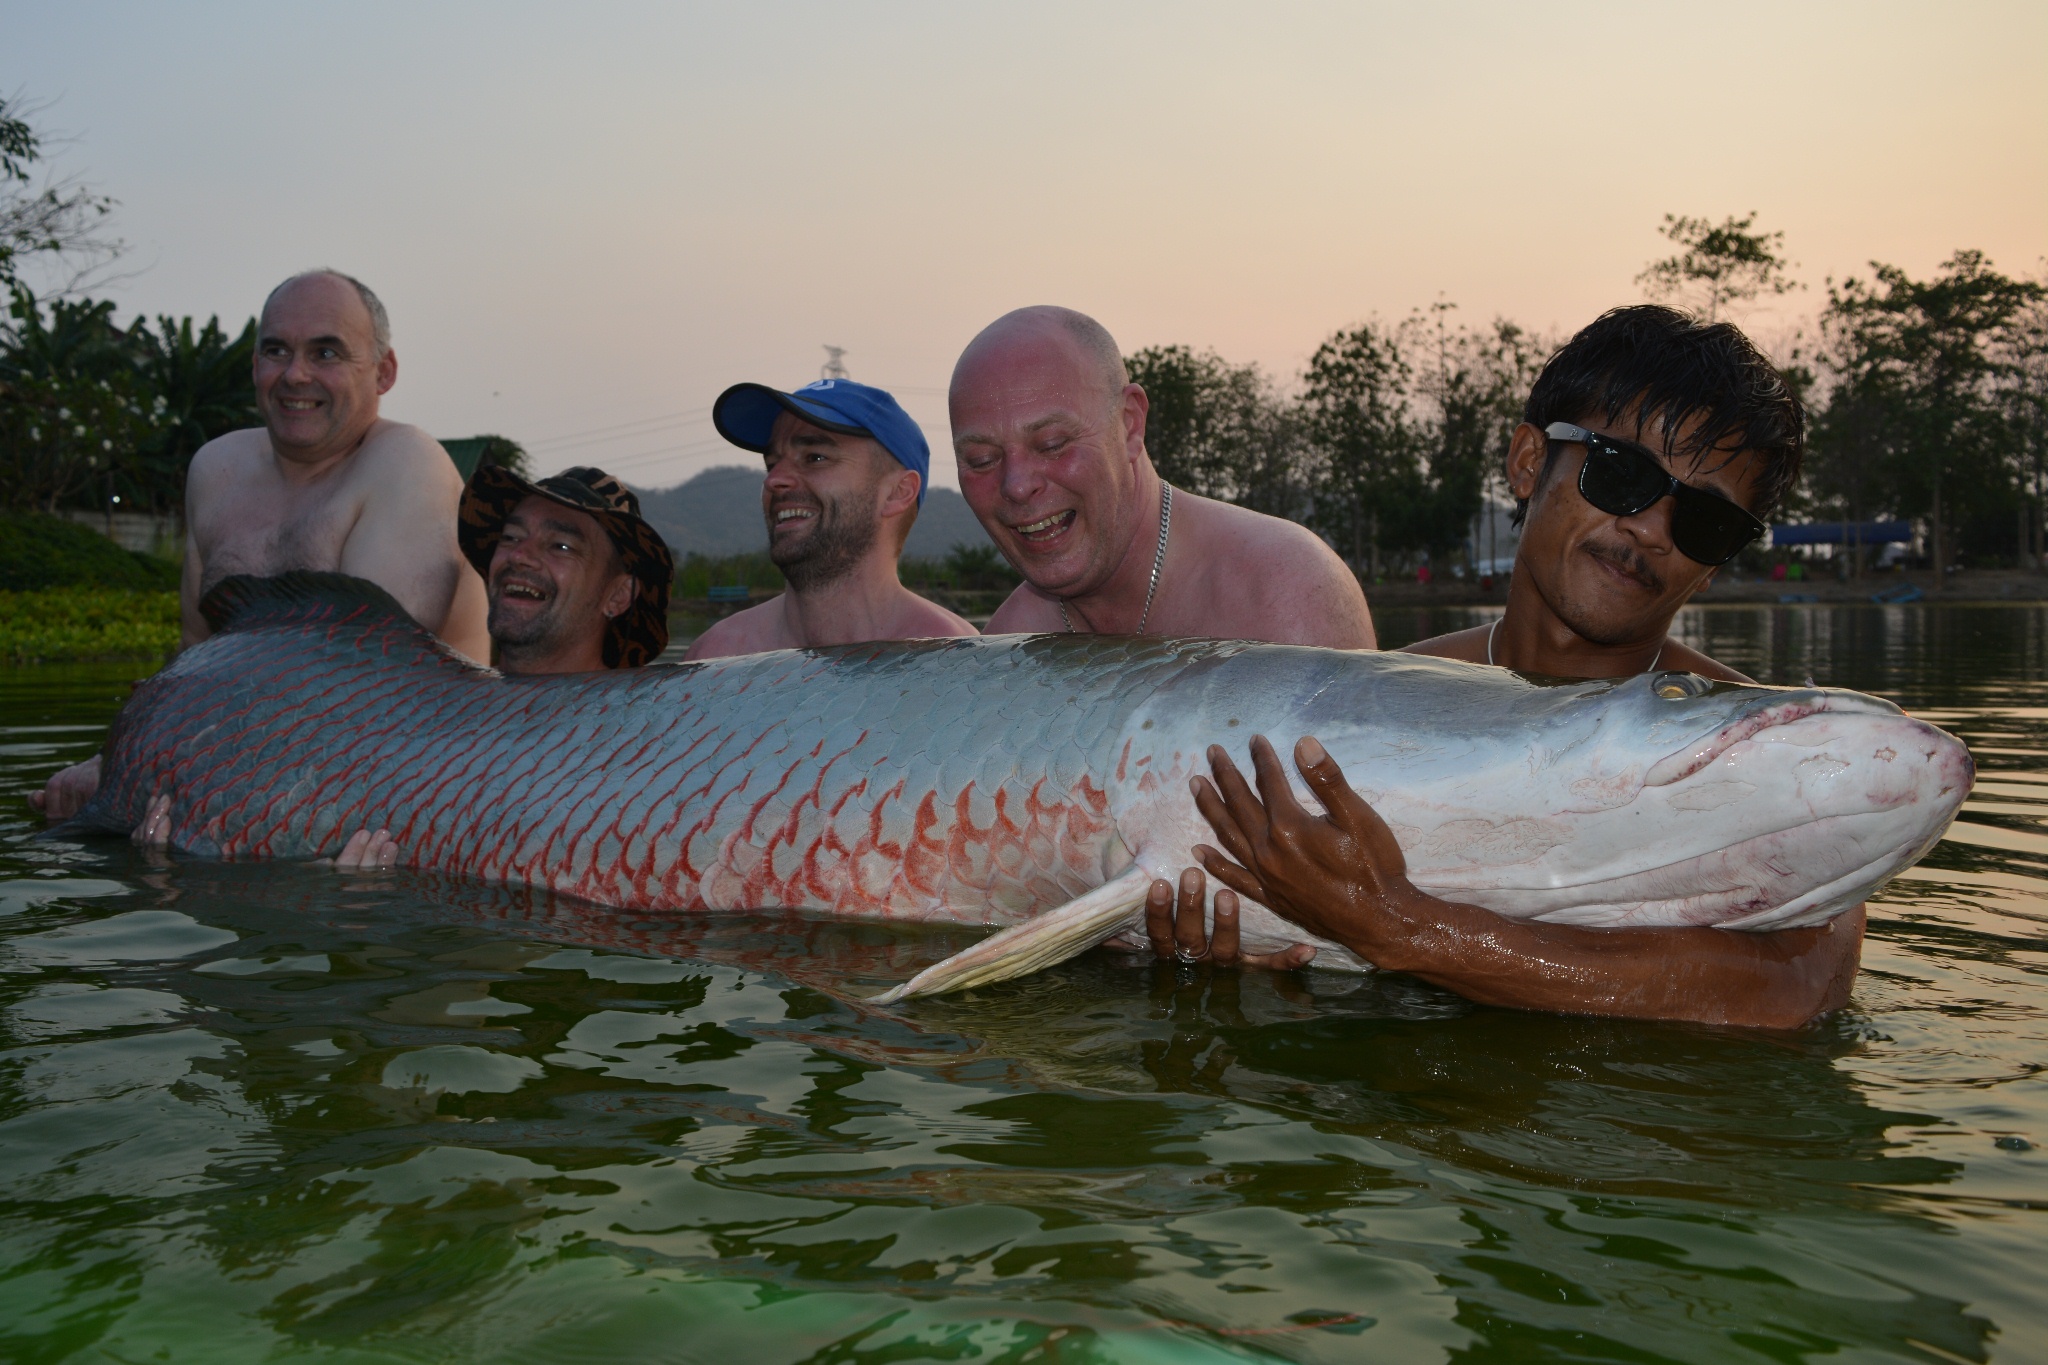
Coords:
pixel 1343 878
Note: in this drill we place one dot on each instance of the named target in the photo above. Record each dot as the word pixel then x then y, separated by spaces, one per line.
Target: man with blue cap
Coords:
pixel 846 473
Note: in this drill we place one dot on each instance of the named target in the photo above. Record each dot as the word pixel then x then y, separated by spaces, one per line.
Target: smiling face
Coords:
pixel 827 498
pixel 555 583
pixel 1049 454
pixel 1614 580
pixel 317 369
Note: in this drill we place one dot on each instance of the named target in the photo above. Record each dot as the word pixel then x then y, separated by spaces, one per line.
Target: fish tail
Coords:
pixel 1037 943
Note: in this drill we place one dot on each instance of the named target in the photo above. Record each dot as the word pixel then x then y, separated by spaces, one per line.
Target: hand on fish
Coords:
pixel 366 851
pixel 1337 875
pixel 153 835
pixel 1175 928
pixel 67 791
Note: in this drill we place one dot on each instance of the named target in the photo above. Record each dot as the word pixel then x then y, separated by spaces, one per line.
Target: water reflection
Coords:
pixel 250 1109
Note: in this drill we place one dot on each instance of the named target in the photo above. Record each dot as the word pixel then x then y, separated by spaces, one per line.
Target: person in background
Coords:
pixel 578 581
pixel 846 475
pixel 1049 433
pixel 326 483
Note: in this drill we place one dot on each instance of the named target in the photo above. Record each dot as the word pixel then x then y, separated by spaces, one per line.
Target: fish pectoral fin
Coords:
pixel 1037 943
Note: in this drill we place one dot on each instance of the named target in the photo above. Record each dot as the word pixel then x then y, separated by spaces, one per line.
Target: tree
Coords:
pixel 1356 410
pixel 93 414
pixel 1846 460
pixel 59 220
pixel 1721 264
pixel 2026 398
pixel 202 378
pixel 74 414
pixel 502 452
pixel 1190 424
pixel 1219 429
pixel 1471 387
pixel 1928 376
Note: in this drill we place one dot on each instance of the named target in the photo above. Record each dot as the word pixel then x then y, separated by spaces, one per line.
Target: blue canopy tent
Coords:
pixel 1842 533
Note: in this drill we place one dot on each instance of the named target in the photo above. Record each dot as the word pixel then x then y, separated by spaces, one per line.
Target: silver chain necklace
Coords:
pixel 1496 630
pixel 1158 559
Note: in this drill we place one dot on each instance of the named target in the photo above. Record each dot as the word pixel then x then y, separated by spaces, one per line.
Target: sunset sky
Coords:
pixel 587 220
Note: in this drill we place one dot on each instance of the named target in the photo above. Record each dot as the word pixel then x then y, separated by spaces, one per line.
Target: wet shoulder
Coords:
pixel 1026 611
pixel 1260 544
pixel 230 457
pixel 752 631
pixel 929 620
pixel 400 452
pixel 1271 579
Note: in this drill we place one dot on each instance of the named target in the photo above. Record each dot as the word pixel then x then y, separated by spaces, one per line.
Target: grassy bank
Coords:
pixel 76 625
pixel 38 551
pixel 70 595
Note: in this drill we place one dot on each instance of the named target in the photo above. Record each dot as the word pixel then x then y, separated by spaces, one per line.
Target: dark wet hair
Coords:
pixel 1670 367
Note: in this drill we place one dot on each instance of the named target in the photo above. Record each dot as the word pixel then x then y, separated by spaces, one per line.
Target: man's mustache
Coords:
pixel 1630 561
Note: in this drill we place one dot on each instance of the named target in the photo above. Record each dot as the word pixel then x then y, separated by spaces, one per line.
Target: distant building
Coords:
pixel 1493 540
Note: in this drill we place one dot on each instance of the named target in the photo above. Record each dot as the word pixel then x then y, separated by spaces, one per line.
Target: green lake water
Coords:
pixel 272 1112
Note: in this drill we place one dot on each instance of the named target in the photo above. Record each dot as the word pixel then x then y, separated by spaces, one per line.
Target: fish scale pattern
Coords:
pixel 965 780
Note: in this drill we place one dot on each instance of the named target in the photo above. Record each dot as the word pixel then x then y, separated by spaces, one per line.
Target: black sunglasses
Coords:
pixel 1621 479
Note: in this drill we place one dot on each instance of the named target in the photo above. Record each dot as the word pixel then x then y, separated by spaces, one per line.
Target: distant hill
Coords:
pixel 719 513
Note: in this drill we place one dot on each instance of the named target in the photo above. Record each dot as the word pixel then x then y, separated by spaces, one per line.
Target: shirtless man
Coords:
pixel 578 580
pixel 846 475
pixel 325 483
pixel 1650 449
pixel 1050 437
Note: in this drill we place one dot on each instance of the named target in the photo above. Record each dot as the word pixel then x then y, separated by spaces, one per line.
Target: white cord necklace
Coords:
pixel 1158 559
pixel 1496 630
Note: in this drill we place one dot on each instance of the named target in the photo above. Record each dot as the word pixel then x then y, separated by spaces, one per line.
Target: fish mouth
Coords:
pixel 1781 710
pixel 1749 884
pixel 1754 883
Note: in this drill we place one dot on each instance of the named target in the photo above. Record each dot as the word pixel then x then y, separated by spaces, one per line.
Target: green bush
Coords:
pixel 966 568
pixel 699 573
pixel 975 568
pixel 71 625
pixel 39 551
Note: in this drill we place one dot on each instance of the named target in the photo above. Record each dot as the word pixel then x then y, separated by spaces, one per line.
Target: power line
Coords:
pixel 580 437
pixel 645 460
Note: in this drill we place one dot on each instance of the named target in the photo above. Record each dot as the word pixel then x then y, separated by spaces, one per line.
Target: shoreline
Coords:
pixel 1964 588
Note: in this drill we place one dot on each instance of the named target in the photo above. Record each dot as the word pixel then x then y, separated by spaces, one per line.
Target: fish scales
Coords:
pixel 850 783
pixel 1035 782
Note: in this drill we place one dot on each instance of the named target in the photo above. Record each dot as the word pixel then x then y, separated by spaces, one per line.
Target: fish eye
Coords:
pixel 1677 686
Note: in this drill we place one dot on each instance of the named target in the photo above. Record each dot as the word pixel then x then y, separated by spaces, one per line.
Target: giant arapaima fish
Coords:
pixel 1032 783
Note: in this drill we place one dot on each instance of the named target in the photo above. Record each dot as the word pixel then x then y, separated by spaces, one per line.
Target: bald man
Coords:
pixel 1049 433
pixel 325 483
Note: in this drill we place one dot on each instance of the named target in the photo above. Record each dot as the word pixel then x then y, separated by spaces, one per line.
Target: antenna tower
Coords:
pixel 835 365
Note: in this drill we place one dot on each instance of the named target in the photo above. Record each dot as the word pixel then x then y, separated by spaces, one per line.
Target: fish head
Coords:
pixel 1675 800
pixel 1664 799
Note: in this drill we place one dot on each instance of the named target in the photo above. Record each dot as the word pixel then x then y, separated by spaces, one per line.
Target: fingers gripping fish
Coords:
pixel 1031 783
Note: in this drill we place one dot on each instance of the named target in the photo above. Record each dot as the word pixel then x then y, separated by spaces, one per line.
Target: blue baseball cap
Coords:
pixel 745 415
